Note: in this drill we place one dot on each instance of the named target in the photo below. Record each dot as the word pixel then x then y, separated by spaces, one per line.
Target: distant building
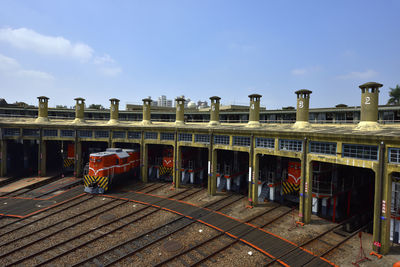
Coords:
pixel 202 104
pixel 164 102
pixel 3 102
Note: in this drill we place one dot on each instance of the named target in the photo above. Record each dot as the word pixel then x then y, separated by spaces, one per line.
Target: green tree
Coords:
pixel 96 106
pixel 394 96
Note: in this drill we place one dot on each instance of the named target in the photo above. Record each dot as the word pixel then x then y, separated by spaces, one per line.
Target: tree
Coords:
pixel 96 106
pixel 394 96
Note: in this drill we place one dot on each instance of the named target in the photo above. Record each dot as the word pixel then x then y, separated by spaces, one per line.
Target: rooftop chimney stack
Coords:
pixel 214 111
pixel 43 109
pixel 254 117
pixel 302 111
pixel 146 111
pixel 79 110
pixel 114 111
pixel 180 111
pixel 369 106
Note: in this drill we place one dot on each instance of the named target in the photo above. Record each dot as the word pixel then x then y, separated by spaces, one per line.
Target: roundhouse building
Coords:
pixel 338 163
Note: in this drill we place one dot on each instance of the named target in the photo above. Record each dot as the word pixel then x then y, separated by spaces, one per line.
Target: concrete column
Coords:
pixel 210 160
pixel 180 111
pixel 146 111
pixel 145 163
pixel 213 181
pixel 114 111
pixel 79 110
pixel 177 165
pixel 382 201
pixel 302 111
pixel 78 159
pixel 3 158
pixel 308 192
pixel 305 205
pixel 256 173
pixel 43 156
pixel 386 216
pixel 214 111
pixel 254 117
pixel 43 109
pixel 369 106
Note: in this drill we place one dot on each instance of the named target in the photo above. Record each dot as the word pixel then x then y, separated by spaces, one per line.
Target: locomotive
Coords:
pixel 110 167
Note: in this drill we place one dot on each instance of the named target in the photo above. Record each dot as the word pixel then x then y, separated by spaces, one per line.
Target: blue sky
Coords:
pixel 134 49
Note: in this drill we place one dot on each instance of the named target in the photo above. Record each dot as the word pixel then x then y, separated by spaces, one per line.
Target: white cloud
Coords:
pixel 304 71
pixel 35 74
pixel 30 40
pixel 104 59
pixel 299 71
pixel 110 71
pixel 359 75
pixel 7 63
pixel 11 67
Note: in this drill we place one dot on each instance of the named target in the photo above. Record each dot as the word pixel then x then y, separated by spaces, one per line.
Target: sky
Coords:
pixel 134 49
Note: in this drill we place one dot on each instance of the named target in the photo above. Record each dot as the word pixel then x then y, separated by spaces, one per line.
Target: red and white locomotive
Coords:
pixel 109 167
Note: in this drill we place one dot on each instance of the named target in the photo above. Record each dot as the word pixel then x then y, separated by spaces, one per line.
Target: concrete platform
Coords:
pixel 21 183
pixel 24 207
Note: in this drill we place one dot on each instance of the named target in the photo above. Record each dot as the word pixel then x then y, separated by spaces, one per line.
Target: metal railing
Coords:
pixel 279 121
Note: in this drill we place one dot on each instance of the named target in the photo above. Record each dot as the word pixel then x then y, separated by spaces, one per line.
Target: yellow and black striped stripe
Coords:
pixel 101 181
pixel 165 170
pixel 288 188
pixel 68 163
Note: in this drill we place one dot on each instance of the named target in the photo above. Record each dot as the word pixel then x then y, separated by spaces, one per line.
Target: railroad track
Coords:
pixel 23 241
pixel 133 245
pixel 53 211
pixel 205 250
pixel 325 242
pixel 155 188
pixel 328 242
pixel 92 233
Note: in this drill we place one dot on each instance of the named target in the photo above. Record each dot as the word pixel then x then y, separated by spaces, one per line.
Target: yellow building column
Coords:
pixel 256 163
pixel 213 180
pixel 209 165
pixel 305 204
pixel 144 162
pixel 78 158
pixel 177 165
pixel 42 158
pixel 381 209
pixel 386 210
pixel 3 157
pixel 308 191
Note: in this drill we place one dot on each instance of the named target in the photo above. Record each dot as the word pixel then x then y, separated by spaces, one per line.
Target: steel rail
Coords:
pixel 158 186
pixel 144 234
pixel 337 245
pixel 50 208
pixel 57 231
pixel 56 212
pixel 332 229
pixel 102 235
pixel 166 235
pixel 237 239
pixel 211 239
